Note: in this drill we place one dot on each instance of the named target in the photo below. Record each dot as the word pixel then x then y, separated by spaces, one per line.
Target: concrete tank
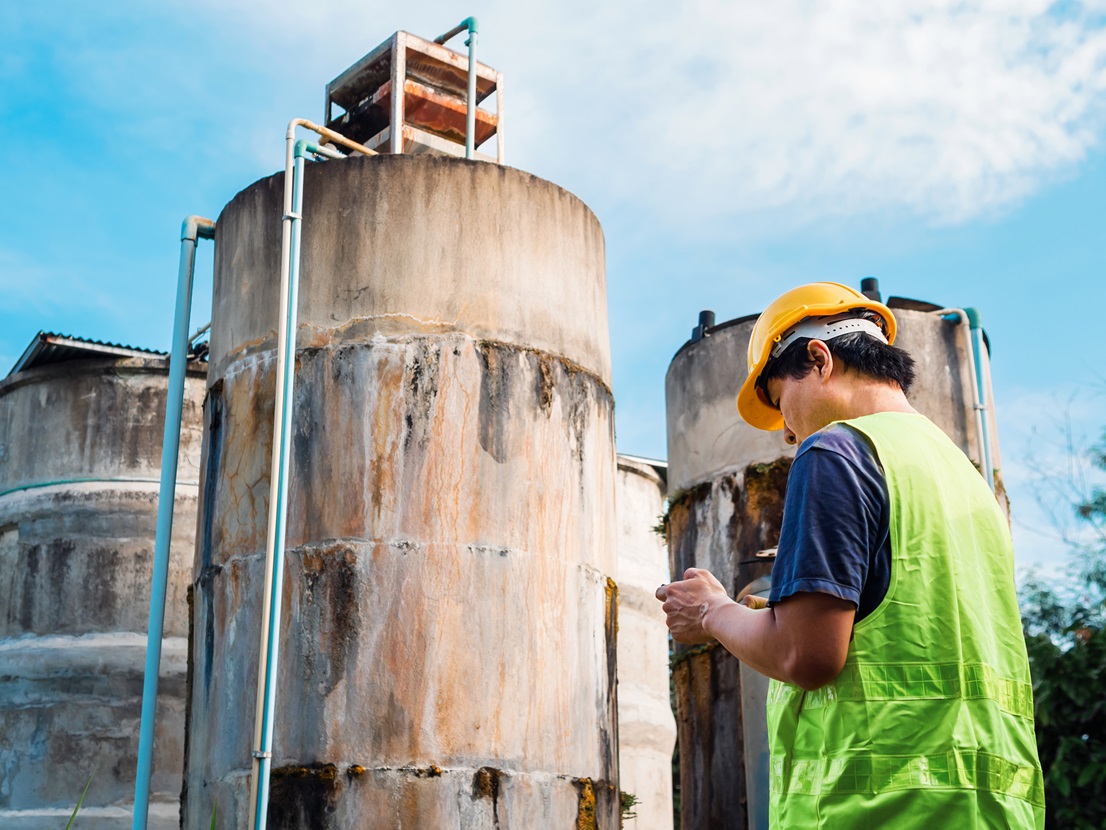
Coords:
pixel 448 652
pixel 80 457
pixel 726 486
pixel 646 727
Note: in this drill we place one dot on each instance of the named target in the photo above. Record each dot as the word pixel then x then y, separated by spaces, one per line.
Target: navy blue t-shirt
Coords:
pixel 835 538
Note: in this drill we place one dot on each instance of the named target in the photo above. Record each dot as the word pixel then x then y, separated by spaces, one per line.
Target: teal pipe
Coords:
pixel 193 229
pixel 278 488
pixel 470 119
pixel 473 27
pixel 469 23
pixel 975 322
pixel 970 317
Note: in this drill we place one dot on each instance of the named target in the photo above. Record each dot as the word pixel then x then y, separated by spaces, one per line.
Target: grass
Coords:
pixel 80 801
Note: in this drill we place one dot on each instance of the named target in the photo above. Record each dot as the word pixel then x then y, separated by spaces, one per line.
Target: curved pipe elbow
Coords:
pixel 303 148
pixel 469 23
pixel 196 227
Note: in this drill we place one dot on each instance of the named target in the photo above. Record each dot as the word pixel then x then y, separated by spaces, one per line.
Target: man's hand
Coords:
pixel 803 640
pixel 687 604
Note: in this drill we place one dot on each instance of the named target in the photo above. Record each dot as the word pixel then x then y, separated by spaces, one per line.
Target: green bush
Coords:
pixel 1064 625
pixel 1070 707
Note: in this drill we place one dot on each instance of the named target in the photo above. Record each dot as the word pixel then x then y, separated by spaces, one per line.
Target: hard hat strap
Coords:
pixel 827 328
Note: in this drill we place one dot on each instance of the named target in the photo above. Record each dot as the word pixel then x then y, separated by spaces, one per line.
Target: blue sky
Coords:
pixel 954 150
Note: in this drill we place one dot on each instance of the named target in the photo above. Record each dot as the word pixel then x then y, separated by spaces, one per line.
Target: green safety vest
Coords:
pixel 930 723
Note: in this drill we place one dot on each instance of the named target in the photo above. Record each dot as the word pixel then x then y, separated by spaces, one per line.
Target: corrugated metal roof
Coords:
pixel 47 348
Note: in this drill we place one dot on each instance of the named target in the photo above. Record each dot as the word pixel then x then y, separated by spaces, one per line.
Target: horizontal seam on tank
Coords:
pixel 239 360
pixel 730 471
pixel 694 651
pixel 396 543
pixel 265 348
pixel 119 367
pixel 441 770
pixel 433 770
pixel 166 809
pixel 572 365
pixel 111 638
pixel 62 482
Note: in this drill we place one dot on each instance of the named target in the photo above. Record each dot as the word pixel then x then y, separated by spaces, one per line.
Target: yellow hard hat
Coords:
pixel 781 322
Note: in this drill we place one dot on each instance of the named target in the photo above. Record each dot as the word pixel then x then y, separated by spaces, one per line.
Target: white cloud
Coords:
pixel 706 110
pixel 855 107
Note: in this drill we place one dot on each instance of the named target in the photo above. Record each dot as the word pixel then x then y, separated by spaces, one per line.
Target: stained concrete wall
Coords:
pixel 80 457
pixel 726 488
pixel 448 654
pixel 646 726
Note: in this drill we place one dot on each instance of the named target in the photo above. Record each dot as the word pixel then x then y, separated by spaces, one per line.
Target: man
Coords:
pixel 900 694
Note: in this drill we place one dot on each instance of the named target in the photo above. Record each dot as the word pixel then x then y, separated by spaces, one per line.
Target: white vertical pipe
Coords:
pixel 399 78
pixel 499 156
pixel 274 562
pixel 291 228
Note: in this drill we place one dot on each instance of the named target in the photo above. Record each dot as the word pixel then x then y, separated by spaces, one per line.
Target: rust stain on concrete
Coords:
pixel 585 804
pixel 485 784
pixel 303 796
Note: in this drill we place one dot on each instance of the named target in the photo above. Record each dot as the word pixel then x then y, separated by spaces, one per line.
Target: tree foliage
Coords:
pixel 1064 625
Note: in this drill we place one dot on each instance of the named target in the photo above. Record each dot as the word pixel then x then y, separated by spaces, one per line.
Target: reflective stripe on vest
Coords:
pixel 917 681
pixel 956 769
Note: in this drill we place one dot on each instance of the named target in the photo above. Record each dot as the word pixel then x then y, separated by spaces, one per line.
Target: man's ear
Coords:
pixel 822 358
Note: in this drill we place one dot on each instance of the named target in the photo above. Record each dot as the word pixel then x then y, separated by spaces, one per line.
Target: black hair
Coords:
pixel 858 351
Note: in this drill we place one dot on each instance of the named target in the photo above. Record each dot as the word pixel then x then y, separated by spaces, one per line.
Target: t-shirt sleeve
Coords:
pixel 831 522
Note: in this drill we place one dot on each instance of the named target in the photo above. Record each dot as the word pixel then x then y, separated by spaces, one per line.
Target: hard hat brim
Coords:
pixel 755 410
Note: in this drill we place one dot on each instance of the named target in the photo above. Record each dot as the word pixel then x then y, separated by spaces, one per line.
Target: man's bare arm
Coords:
pixel 802 640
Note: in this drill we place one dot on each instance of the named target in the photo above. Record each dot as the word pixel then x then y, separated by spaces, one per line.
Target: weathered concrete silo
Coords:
pixel 646 728
pixel 80 456
pixel 726 485
pixel 449 624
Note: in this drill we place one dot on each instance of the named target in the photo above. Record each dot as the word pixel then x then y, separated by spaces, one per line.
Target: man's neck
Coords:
pixel 865 397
